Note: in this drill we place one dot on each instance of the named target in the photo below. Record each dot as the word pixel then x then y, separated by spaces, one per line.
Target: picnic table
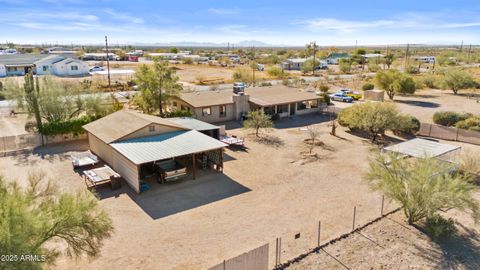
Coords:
pixel 102 175
pixel 83 159
pixel 232 140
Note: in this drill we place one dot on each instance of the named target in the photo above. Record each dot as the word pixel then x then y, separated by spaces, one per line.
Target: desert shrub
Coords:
pixel 243 75
pixel 438 227
pixel 412 70
pixel 449 118
pixel 431 81
pixel 265 84
pixel 368 86
pixel 406 124
pixel 471 123
pixel 187 61
pixel 372 67
pixel 275 72
pixel 323 88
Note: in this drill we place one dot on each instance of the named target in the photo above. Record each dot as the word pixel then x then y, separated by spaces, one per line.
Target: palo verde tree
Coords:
pixel 32 218
pixel 157 84
pixel 372 117
pixel 457 80
pixel 257 120
pixel 423 186
pixel 394 82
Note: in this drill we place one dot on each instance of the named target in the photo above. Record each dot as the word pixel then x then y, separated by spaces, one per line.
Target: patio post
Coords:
pixel 194 172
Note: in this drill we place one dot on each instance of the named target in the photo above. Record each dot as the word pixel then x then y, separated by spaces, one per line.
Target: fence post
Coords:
pixel 319 227
pixel 224 265
pixel 279 250
pixel 354 214
pixel 456 136
pixel 430 131
pixel 383 200
pixel 276 251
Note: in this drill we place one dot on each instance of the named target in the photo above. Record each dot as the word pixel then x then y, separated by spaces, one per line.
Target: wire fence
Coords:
pixel 449 133
pixel 293 246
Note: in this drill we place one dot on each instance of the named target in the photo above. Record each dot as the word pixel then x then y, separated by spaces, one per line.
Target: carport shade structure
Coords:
pixel 421 148
pixel 166 146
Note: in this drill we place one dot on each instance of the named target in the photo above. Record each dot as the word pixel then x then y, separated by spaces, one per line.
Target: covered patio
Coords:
pixel 171 156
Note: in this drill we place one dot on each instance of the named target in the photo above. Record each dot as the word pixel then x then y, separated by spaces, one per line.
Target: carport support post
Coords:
pixel 194 172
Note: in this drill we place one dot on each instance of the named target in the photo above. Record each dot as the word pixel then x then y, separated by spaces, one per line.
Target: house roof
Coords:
pixel 50 58
pixel 192 123
pixel 208 98
pixel 278 94
pixel 421 148
pixel 297 60
pixel 122 123
pixel 338 55
pixel 20 59
pixel 165 146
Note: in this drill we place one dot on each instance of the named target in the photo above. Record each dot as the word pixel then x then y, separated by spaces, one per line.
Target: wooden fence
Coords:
pixel 256 259
pixel 449 133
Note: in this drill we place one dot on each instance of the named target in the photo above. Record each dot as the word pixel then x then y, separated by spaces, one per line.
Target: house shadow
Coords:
pixel 175 197
pixel 423 104
pixel 461 251
pixel 301 121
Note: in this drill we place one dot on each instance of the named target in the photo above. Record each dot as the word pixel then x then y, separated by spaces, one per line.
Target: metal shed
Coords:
pixel 421 148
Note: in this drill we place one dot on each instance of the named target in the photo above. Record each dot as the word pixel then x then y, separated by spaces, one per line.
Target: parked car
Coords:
pixel 260 67
pixel 340 96
pixel 96 68
pixel 354 94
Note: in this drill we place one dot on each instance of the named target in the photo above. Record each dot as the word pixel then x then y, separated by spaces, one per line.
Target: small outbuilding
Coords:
pixel 422 148
pixel 133 143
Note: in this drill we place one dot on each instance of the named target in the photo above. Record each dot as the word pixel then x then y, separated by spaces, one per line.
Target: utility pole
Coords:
pixel 356 44
pixel 108 64
pixel 461 46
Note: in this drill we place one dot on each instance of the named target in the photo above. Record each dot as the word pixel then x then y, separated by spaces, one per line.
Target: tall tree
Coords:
pixel 157 84
pixel 32 219
pixel 32 91
pixel 423 186
pixel 389 58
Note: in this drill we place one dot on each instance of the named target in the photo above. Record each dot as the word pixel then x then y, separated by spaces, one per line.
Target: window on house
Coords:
pixel 74 67
pixel 313 103
pixel 151 128
pixel 174 104
pixel 206 111
pixel 45 68
pixel 223 110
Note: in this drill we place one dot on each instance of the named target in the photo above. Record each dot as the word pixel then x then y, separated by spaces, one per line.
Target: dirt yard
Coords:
pixel 268 191
pixel 273 189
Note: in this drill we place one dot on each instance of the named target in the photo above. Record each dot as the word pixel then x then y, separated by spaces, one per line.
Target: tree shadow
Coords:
pixel 270 140
pixel 460 251
pixel 423 104
pixel 381 140
pixel 302 121
pixel 50 152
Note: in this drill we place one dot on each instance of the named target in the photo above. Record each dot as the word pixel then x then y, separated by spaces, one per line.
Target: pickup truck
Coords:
pixel 170 170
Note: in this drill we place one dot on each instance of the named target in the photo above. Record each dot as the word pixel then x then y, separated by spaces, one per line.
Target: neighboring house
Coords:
pixel 20 64
pixel 100 56
pixel 219 106
pixel 132 143
pixel 297 63
pixel 333 58
pixel 293 63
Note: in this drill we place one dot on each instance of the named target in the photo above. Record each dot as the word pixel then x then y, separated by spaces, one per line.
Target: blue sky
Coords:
pixel 273 22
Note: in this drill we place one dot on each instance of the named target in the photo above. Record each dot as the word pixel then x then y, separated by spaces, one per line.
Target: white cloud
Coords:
pixel 223 11
pixel 124 17
pixel 402 21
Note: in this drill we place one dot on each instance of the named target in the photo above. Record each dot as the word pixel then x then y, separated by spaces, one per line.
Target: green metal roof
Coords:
pixel 165 146
pixel 192 123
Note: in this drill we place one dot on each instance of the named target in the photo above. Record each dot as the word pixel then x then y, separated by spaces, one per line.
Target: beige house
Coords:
pixel 131 142
pixel 218 106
